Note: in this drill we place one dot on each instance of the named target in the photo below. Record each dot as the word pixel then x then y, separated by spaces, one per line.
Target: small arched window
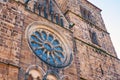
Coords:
pixel 94 38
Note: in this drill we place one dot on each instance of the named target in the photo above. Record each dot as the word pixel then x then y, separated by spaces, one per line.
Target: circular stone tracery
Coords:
pixel 47 47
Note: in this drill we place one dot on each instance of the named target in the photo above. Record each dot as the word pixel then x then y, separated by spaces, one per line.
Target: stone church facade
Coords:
pixel 55 40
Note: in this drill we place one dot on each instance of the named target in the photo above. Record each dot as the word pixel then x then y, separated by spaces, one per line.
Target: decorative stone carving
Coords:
pixel 48 45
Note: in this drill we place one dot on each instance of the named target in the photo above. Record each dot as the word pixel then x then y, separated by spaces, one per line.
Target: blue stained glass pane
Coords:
pixel 44 56
pixel 59 48
pixel 58 60
pixel 38 35
pixel 43 44
pixel 34 44
pixel 48 47
pixel 51 60
pixel 35 38
pixel 55 42
pixel 39 52
pixel 50 38
pixel 44 35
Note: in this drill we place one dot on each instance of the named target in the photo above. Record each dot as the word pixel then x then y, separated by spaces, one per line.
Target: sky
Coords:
pixel 111 16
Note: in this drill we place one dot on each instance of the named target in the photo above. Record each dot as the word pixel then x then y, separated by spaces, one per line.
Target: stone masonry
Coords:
pixel 94 57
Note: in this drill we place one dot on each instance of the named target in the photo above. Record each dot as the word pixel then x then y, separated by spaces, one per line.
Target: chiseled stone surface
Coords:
pixel 90 61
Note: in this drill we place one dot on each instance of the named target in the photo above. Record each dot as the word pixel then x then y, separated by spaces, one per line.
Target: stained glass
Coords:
pixel 47 47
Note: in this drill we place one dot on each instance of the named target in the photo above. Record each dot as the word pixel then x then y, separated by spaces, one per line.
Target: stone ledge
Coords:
pixel 8 62
pixel 97 48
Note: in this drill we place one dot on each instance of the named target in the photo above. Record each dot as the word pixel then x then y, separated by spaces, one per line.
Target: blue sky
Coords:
pixel 111 16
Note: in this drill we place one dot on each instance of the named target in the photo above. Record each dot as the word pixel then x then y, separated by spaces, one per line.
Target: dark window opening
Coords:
pixel 87 15
pixel 45 12
pixel 34 6
pixel 39 9
pixel 61 22
pixel 52 16
pixel 51 7
pixel 93 36
pixel 57 18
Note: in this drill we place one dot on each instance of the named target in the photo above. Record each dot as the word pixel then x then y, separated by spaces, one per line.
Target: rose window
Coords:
pixel 47 47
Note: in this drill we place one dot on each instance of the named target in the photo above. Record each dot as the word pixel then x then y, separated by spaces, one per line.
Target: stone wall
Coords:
pixel 82 29
pixel 75 7
pixel 16 55
pixel 8 72
pixel 11 24
pixel 90 61
pixel 95 65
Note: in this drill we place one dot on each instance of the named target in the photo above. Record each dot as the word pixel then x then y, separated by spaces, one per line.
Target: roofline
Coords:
pixel 93 5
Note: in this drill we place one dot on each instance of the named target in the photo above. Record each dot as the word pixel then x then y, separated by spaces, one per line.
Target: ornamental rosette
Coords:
pixel 48 46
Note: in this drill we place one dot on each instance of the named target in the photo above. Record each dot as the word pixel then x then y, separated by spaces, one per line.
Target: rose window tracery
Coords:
pixel 47 47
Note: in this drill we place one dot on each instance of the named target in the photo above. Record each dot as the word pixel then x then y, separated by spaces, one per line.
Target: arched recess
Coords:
pixel 34 72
